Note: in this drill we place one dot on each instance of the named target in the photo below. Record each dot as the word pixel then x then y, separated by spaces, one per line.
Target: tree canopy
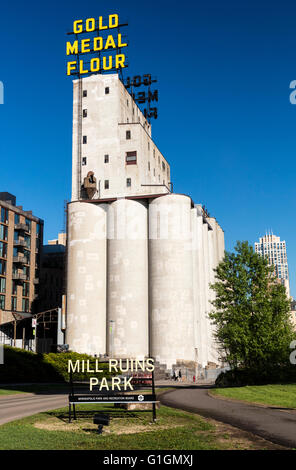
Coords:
pixel 251 311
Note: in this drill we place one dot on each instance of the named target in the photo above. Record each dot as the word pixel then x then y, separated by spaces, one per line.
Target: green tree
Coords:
pixel 251 314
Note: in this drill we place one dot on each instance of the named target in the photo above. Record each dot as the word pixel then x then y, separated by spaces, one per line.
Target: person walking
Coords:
pixel 180 375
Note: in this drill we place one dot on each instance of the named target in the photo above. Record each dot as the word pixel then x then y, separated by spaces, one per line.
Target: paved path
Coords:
pixel 20 405
pixel 277 425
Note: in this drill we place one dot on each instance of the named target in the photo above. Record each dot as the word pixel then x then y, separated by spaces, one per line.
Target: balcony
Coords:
pixel 19 242
pixel 20 259
pixel 21 227
pixel 19 277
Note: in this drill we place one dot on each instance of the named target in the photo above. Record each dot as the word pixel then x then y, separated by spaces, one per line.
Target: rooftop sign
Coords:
pixel 98 52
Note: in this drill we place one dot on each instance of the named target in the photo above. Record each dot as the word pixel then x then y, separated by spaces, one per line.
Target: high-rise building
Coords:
pixel 139 257
pixel 21 235
pixel 271 247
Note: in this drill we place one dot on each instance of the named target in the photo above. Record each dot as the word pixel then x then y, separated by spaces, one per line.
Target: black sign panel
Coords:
pixel 139 398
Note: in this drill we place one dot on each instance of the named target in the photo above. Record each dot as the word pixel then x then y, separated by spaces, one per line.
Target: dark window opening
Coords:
pixel 83 161
pixel 128 135
pixel 106 184
pixel 107 90
pixel 84 94
pixel 84 113
pixel 84 139
pixel 128 182
pixel 106 159
pixel 131 158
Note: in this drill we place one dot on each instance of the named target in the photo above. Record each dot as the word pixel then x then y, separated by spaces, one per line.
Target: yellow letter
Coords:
pixel 110 42
pixel 96 67
pixel 101 23
pixel 96 46
pixel 93 381
pixel 116 383
pixel 113 365
pixel 81 70
pixel 150 362
pixel 78 26
pixel 85 45
pixel 104 384
pixel 113 21
pixel 119 58
pixel 90 24
pixel 110 63
pixel 70 363
pixel 71 66
pixel 72 49
pixel 121 44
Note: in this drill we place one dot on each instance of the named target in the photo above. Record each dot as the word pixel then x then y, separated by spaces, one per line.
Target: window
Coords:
pixel 3 232
pixel 16 218
pixel 107 90
pixel 84 94
pixel 83 161
pixel 26 288
pixel 2 302
pixel 13 303
pixel 148 166
pixel 106 184
pixel 25 305
pixel 28 241
pixel 2 284
pixel 37 230
pixel 28 222
pixel 163 166
pixel 148 145
pixel 4 215
pixel 128 182
pixel 106 159
pixel 14 287
pixel 84 113
pixel 131 158
pixel 2 267
pixel 3 249
pixel 84 139
pixel 128 135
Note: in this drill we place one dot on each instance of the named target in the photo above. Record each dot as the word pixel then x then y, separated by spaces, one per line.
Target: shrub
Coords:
pixel 25 366
pixel 242 376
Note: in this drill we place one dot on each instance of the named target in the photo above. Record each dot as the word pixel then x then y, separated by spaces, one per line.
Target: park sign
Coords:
pixel 97 46
pixel 115 366
pixel 127 383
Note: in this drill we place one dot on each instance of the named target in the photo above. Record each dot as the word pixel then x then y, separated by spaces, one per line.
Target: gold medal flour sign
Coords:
pixel 106 47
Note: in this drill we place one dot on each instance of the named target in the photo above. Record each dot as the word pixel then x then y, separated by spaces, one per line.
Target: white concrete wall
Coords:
pixel 86 278
pixel 151 267
pixel 171 281
pixel 127 292
pixel 109 116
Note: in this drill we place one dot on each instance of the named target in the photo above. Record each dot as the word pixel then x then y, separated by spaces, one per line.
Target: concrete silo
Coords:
pixel 86 278
pixel 170 279
pixel 127 290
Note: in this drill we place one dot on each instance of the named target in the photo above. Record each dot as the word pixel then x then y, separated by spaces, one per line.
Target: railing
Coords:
pixel 23 227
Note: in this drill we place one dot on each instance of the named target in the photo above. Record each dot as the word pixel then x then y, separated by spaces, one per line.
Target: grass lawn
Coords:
pixel 173 430
pixel 276 395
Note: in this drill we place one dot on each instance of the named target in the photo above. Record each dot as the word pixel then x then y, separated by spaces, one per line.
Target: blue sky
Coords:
pixel 225 124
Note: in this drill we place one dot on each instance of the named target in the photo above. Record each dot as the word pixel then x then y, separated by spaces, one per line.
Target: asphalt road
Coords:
pixel 18 406
pixel 277 425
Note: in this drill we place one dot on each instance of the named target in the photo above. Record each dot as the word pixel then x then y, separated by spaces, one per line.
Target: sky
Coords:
pixel 226 124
